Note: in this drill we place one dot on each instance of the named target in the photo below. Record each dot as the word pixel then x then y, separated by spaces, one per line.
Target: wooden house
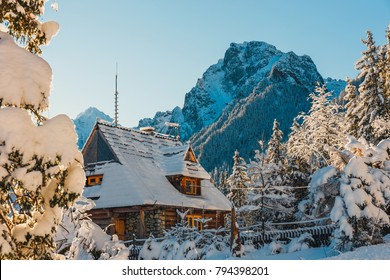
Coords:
pixel 139 179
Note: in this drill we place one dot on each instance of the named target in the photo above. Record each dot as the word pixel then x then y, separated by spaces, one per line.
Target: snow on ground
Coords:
pixel 374 252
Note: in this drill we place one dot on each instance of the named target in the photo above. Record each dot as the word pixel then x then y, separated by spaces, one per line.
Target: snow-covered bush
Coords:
pixel 300 243
pixel 294 245
pixel 323 188
pixel 276 247
pixel 360 209
pixel 80 238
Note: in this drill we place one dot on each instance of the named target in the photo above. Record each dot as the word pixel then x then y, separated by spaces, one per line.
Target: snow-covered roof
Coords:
pixel 137 172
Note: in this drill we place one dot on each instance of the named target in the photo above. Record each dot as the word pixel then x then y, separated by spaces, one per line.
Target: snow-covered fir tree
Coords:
pixel 385 70
pixel 40 166
pixel 322 128
pixel 276 149
pixel 220 176
pixel 238 181
pixel 373 104
pixel 223 185
pixel 381 125
pixel 351 99
pixel 360 208
pixel 299 169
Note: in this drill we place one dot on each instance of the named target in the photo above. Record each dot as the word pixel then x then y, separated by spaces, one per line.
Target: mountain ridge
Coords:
pixel 233 105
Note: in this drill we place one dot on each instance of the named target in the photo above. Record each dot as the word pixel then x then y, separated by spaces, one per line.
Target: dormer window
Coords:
pixel 94 180
pixel 191 186
pixel 186 185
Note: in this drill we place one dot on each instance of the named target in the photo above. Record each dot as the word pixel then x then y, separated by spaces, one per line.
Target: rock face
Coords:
pixel 235 102
pixel 85 121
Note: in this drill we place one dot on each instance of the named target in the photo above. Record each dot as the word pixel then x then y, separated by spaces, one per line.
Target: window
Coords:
pixel 193 221
pixel 186 185
pixel 191 186
pixel 94 180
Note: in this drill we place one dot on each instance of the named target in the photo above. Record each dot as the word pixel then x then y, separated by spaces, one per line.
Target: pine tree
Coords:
pixel 381 125
pixel 40 166
pixel 351 103
pixel 223 184
pixel 386 67
pixel 276 149
pixel 299 170
pixel 238 181
pixel 372 105
pixel 22 20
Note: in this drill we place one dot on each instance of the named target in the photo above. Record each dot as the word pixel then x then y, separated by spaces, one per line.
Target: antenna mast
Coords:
pixel 116 97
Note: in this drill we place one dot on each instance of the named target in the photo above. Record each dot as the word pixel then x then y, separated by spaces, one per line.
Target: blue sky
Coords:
pixel 163 47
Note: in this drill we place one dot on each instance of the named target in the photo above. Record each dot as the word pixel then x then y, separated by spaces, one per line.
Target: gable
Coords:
pixel 97 149
pixel 190 156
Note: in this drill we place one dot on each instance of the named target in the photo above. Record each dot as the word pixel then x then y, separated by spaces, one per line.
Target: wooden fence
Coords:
pixel 320 236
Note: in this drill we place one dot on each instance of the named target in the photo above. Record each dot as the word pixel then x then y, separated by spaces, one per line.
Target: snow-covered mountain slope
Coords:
pixel 281 93
pixel 235 102
pixel 85 121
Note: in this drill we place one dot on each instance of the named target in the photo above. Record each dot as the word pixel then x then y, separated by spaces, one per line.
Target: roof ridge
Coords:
pixel 155 134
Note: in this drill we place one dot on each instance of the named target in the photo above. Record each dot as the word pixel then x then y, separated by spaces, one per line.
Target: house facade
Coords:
pixel 139 180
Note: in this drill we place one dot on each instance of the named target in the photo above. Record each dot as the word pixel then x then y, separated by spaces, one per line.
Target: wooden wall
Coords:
pixel 146 220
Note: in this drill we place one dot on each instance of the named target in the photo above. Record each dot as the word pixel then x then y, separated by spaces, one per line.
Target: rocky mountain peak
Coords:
pixel 85 121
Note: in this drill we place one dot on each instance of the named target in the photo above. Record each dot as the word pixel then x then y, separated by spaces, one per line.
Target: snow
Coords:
pixel 374 252
pixel 25 78
pixel 322 176
pixel 358 169
pixel 54 6
pixel 50 29
pixel 55 137
pixel 20 9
